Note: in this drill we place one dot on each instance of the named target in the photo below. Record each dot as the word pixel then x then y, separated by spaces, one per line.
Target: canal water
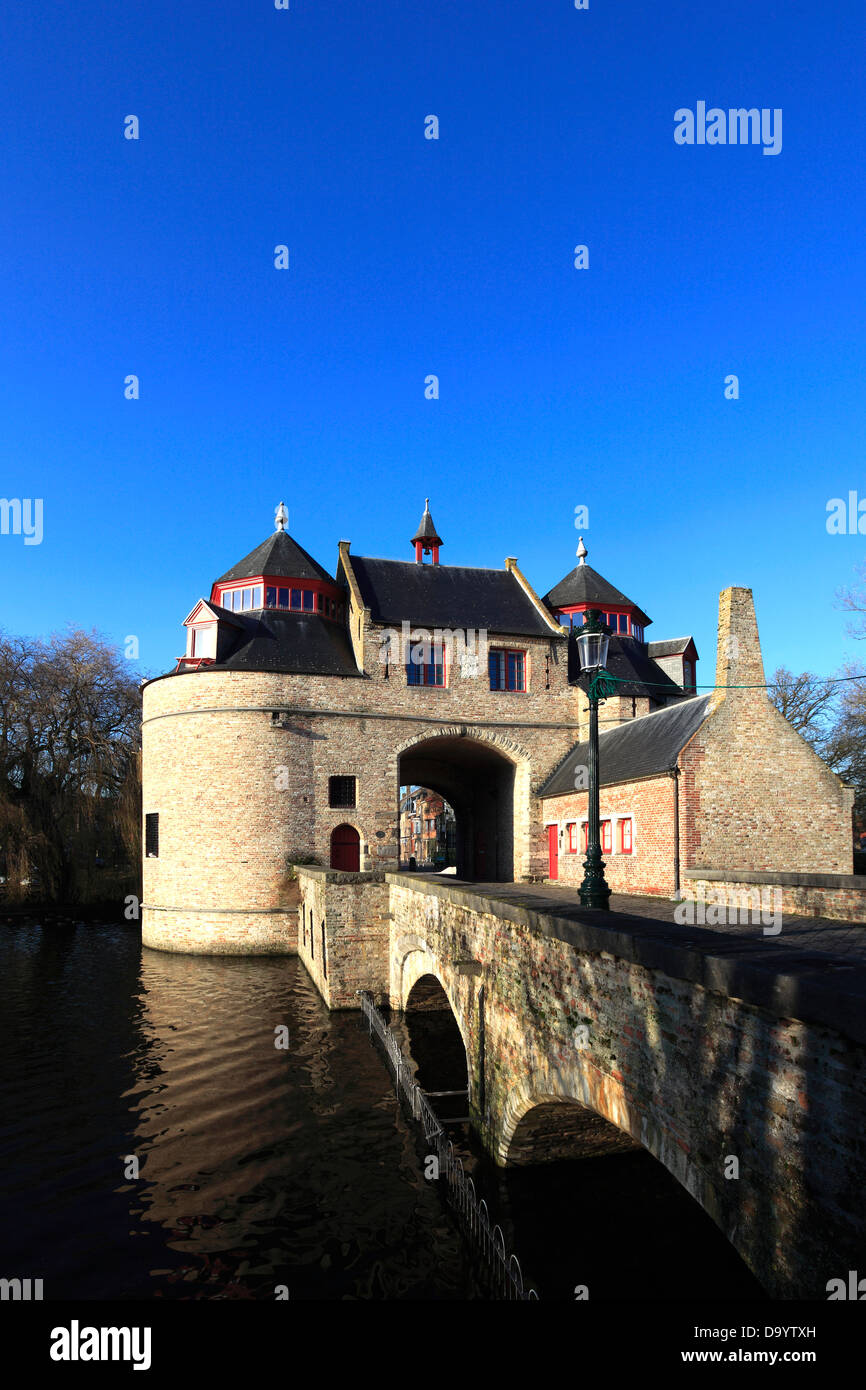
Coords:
pixel 260 1166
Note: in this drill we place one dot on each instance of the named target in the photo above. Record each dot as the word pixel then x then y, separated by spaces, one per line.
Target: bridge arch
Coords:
pixel 608 1098
pixel 435 1027
pixel 486 779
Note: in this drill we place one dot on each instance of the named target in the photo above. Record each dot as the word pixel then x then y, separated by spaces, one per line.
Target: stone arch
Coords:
pixel 436 1031
pixel 486 778
pixel 512 750
pixel 581 1082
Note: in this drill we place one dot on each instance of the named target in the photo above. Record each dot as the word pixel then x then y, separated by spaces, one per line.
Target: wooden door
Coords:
pixel 553 851
pixel 346 849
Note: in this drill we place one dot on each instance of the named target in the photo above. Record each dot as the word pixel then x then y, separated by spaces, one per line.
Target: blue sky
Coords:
pixel 558 387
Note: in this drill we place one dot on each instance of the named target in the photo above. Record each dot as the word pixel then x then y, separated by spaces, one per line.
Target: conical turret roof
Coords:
pixel 426 530
pixel 279 555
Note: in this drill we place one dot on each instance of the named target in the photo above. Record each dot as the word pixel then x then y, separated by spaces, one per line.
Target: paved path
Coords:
pixel 803 935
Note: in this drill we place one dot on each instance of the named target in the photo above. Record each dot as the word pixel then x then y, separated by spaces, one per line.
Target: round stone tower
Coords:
pixel 227 766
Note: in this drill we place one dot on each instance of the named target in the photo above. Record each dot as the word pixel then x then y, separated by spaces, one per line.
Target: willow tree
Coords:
pixel 70 726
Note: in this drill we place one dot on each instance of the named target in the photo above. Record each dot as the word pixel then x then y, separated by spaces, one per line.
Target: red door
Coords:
pixel 553 850
pixel 346 849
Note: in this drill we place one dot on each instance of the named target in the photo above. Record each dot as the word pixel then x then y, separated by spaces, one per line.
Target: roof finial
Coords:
pixel 582 551
pixel 282 517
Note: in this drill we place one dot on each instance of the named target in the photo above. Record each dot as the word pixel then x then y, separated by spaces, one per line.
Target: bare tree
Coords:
pixel 69 766
pixel 806 701
pixel 845 746
pixel 853 600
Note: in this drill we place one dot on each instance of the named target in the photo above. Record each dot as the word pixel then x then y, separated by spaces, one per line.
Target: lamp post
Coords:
pixel 592 643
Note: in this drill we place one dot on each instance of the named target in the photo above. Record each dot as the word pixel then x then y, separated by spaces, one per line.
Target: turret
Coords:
pixel 426 540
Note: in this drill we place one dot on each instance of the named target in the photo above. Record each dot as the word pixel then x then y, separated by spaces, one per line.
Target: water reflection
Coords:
pixel 258 1167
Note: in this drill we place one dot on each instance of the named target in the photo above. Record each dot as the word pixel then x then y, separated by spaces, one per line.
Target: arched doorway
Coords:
pixel 346 849
pixel 478 782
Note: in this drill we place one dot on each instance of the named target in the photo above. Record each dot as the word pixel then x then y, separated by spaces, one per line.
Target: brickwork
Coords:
pixel 758 797
pixel 343 934
pixel 241 795
pixel 693 1074
pixel 650 866
pixel 753 795
pixel 844 901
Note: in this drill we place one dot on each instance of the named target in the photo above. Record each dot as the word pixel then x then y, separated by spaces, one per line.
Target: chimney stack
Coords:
pixel 738 654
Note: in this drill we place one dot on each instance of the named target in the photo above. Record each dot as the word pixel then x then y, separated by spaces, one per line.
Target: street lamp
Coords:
pixel 592 643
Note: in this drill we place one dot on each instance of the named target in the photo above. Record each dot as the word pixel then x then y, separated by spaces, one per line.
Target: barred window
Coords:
pixel 341 791
pixel 151 835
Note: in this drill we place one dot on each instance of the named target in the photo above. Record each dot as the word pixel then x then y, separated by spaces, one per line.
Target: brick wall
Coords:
pixel 758 797
pixel 240 797
pixel 343 932
pixel 838 896
pixel 650 866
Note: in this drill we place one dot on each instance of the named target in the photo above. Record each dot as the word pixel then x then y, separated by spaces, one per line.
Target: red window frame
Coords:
pixel 505 653
pixel 585 836
pixel 606 837
pixel 572 838
pixel 626 833
pixel 425 673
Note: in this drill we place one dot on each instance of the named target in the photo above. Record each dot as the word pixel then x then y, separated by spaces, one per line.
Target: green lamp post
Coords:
pixel 592 642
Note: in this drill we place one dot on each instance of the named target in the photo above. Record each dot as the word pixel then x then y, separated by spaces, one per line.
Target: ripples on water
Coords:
pixel 258 1167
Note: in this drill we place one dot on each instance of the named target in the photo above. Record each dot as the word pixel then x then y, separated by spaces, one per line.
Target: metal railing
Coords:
pixel 504 1269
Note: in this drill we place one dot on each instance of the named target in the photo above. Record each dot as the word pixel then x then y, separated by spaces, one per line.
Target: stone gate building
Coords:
pixel 305 700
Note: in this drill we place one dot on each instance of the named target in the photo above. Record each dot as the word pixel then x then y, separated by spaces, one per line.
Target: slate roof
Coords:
pixel 585 585
pixel 673 647
pixel 640 748
pixel 629 661
pixel 447 596
pixel 279 555
pixel 297 643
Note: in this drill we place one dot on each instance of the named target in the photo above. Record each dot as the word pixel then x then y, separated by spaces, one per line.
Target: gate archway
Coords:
pixel 487 786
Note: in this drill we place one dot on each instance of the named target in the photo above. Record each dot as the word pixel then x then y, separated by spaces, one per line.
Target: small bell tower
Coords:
pixel 426 539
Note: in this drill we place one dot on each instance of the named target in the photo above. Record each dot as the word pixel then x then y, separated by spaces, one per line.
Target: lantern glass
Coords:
pixel 593 650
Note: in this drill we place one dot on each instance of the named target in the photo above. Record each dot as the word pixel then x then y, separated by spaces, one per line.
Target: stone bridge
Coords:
pixel 738 1062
